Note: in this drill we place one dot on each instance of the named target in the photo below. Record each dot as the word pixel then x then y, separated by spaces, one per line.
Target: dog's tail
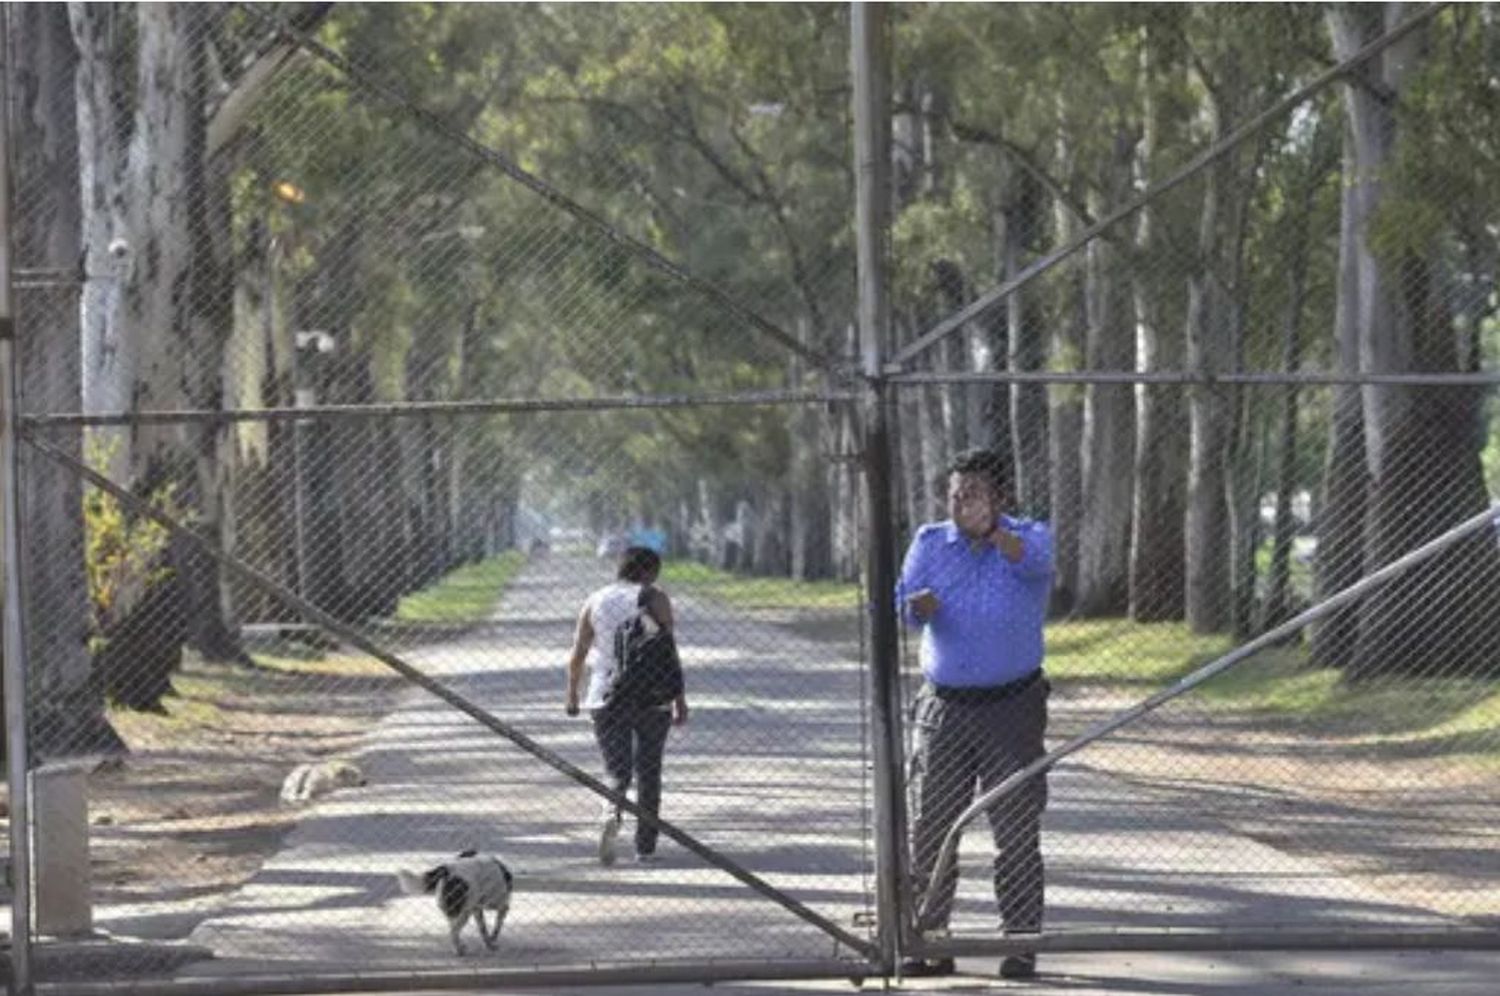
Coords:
pixel 413 883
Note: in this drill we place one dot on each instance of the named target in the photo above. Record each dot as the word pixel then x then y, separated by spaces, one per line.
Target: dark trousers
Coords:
pixel 632 743
pixel 961 743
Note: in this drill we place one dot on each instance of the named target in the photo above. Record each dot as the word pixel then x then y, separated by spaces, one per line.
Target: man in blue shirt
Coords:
pixel 977 586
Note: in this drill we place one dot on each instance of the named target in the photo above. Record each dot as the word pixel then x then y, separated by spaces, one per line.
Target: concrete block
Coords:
pixel 60 850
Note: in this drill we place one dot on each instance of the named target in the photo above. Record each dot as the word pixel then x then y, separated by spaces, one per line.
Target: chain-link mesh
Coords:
pixel 422 314
pixel 1179 405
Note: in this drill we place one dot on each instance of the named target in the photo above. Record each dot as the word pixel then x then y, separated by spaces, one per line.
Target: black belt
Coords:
pixel 986 693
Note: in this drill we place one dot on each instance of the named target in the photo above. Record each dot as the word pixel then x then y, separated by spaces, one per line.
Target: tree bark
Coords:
pixel 1209 351
pixel 1160 474
pixel 1340 521
pixel 1066 345
pixel 1420 443
pixel 810 513
pixel 1026 345
pixel 66 708
pixel 1279 601
pixel 1108 417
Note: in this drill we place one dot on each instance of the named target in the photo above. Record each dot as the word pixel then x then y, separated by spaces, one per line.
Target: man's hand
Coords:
pixel 1008 543
pixel 924 604
pixel 571 706
pixel 679 711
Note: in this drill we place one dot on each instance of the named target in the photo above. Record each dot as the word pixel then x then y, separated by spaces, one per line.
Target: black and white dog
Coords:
pixel 466 886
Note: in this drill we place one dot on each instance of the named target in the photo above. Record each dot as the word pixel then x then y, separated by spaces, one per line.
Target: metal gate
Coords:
pixel 351 346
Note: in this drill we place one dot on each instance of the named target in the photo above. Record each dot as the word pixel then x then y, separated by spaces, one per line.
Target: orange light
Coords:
pixel 289 192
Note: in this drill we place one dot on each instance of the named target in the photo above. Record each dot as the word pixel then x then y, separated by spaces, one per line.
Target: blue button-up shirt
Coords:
pixel 988 626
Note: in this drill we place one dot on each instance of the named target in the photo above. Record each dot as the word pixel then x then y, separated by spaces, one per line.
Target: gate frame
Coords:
pixel 878 380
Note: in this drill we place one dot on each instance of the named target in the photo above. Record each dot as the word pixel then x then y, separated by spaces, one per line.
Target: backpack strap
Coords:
pixel 643 602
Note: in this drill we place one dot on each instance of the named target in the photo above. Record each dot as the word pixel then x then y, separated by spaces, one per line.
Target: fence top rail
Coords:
pixel 414 409
pixel 1202 378
pixel 627 402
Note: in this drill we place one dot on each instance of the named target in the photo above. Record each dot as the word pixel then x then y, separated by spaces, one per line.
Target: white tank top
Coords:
pixel 608 608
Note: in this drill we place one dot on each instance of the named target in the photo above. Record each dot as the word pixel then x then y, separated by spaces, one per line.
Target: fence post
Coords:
pixel 11 645
pixel 872 154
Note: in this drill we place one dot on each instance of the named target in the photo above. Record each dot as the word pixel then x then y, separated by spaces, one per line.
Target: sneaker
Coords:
pixel 607 834
pixel 648 858
pixel 1018 966
pixel 924 968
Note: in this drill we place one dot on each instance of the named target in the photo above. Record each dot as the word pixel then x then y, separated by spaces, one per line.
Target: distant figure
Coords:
pixel 977 586
pixel 632 738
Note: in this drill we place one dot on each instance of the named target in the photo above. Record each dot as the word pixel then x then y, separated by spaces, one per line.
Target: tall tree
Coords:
pixel 66 714
pixel 1420 445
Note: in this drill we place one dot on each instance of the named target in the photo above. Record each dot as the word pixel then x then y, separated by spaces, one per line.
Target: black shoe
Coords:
pixel 1018 966
pixel 924 968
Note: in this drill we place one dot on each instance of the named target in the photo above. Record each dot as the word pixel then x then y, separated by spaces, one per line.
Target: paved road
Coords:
pixel 771 772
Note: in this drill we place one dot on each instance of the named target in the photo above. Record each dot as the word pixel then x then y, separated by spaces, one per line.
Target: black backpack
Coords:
pixel 648 671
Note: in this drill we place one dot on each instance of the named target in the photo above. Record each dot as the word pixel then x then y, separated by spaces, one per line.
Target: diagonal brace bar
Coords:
pixel 452 698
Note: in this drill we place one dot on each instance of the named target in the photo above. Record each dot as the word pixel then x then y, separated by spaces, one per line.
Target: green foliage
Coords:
pixel 1450 714
pixel 1117 651
pixel 467 594
pixel 123 553
pixel 759 593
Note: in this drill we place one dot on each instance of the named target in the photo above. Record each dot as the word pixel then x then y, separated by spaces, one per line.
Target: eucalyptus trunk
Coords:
pixel 1026 345
pixel 66 709
pixel 1421 444
pixel 1108 446
pixel 1159 496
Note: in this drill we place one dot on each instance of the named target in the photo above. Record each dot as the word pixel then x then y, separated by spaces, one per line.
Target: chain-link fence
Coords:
pixel 357 344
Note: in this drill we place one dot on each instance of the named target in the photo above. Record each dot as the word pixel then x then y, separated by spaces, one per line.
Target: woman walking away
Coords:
pixel 631 732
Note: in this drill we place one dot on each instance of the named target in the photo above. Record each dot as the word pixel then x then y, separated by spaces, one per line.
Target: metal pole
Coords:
pixel 872 208
pixel 299 487
pixel 445 409
pixel 475 980
pixel 12 644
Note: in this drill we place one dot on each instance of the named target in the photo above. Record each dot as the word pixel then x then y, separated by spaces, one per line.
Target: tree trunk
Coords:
pixel 1160 472
pixel 107 370
pixel 1065 422
pixel 844 487
pixel 156 315
pixel 1340 520
pixel 770 555
pixel 1108 429
pixel 1209 349
pixel 810 514
pixel 907 438
pixel 212 627
pixel 1420 443
pixel 1279 603
pixel 1243 485
pixel 66 707
pixel 1026 346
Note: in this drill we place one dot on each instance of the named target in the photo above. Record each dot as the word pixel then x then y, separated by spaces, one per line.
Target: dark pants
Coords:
pixel 632 744
pixel 961 743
